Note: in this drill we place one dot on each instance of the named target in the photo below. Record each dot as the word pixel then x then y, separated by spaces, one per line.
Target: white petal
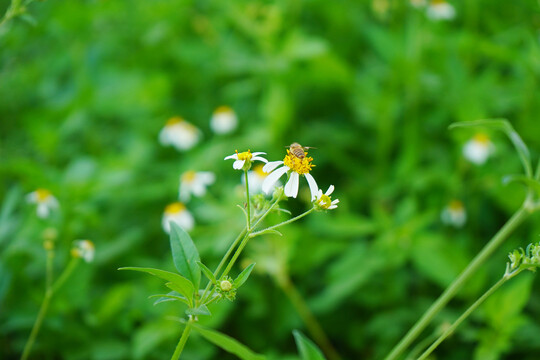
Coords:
pixel 32 197
pixel 238 164
pixel 233 156
pixel 258 153
pixel 319 194
pixel 272 178
pixel 206 177
pixel 312 185
pixel 184 193
pixel 291 188
pixel 336 201
pixel 330 190
pixel 271 166
pixel 42 210
pixel 332 207
pixel 259 158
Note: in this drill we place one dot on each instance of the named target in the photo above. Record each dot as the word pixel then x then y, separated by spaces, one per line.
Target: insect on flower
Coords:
pixel 298 150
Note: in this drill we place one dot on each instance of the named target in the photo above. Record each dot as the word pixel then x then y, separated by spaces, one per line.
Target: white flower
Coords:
pixel 478 149
pixel 177 213
pixel 83 249
pixel 244 159
pixel 440 10
pixel 180 134
pixel 454 214
pixel 294 166
pixel 45 202
pixel 223 120
pixel 256 178
pixel 324 201
pixel 195 183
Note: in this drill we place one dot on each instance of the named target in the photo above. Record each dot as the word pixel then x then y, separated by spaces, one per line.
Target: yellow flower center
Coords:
pixel 175 208
pixel 258 169
pixel 174 120
pixel 223 109
pixel 325 201
pixel 42 194
pixel 481 138
pixel 246 155
pixel 456 205
pixel 189 176
pixel 437 2
pixel 301 166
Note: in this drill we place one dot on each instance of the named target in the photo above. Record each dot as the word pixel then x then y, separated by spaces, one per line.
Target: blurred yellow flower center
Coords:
pixel 301 166
pixel 259 170
pixel 456 205
pixel 174 120
pixel 481 138
pixel 189 176
pixel 437 2
pixel 42 194
pixel 246 155
pixel 175 208
pixel 223 109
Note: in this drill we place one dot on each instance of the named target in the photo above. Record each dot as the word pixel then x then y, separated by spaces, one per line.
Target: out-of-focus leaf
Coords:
pixel 307 349
pixel 172 296
pixel 200 310
pixel 185 254
pixel 227 343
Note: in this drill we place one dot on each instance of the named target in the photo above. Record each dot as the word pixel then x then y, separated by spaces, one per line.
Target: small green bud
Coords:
pixel 225 285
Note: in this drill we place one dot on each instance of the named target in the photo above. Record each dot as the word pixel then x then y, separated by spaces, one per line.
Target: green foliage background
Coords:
pixel 85 91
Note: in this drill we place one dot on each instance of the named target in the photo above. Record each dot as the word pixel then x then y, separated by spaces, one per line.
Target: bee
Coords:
pixel 298 150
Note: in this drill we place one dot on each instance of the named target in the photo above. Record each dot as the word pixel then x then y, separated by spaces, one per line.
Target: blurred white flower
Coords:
pixel 478 149
pixel 256 177
pixel 454 214
pixel 244 159
pixel 83 249
pixel 440 10
pixel 45 202
pixel 224 120
pixel 294 166
pixel 195 183
pixel 180 134
pixel 177 213
pixel 324 201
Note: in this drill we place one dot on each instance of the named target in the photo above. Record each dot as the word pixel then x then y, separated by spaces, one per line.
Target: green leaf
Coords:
pixel 307 349
pixel 185 254
pixel 530 183
pixel 241 279
pixel 504 126
pixel 207 272
pixel 227 343
pixel 182 285
pixel 201 310
pixel 169 297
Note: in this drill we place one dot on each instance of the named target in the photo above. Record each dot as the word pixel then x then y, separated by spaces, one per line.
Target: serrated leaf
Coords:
pixel 307 349
pixel 207 272
pixel 227 343
pixel 530 183
pixel 169 297
pixel 200 310
pixel 241 279
pixel 185 254
pixel 183 285
pixel 504 126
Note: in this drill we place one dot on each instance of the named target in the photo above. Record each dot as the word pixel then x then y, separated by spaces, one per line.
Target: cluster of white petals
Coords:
pixel 177 213
pixel 44 200
pixel 83 249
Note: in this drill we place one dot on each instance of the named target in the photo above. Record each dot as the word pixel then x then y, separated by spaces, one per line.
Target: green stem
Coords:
pixel 248 201
pixel 252 235
pixel 49 269
pixel 182 341
pixel 223 260
pixel 451 290
pixel 236 254
pixel 466 314
pixel 65 274
pixel 37 324
pixel 311 322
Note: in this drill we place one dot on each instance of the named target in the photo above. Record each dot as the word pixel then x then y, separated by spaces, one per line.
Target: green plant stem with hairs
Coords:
pixel 518 217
